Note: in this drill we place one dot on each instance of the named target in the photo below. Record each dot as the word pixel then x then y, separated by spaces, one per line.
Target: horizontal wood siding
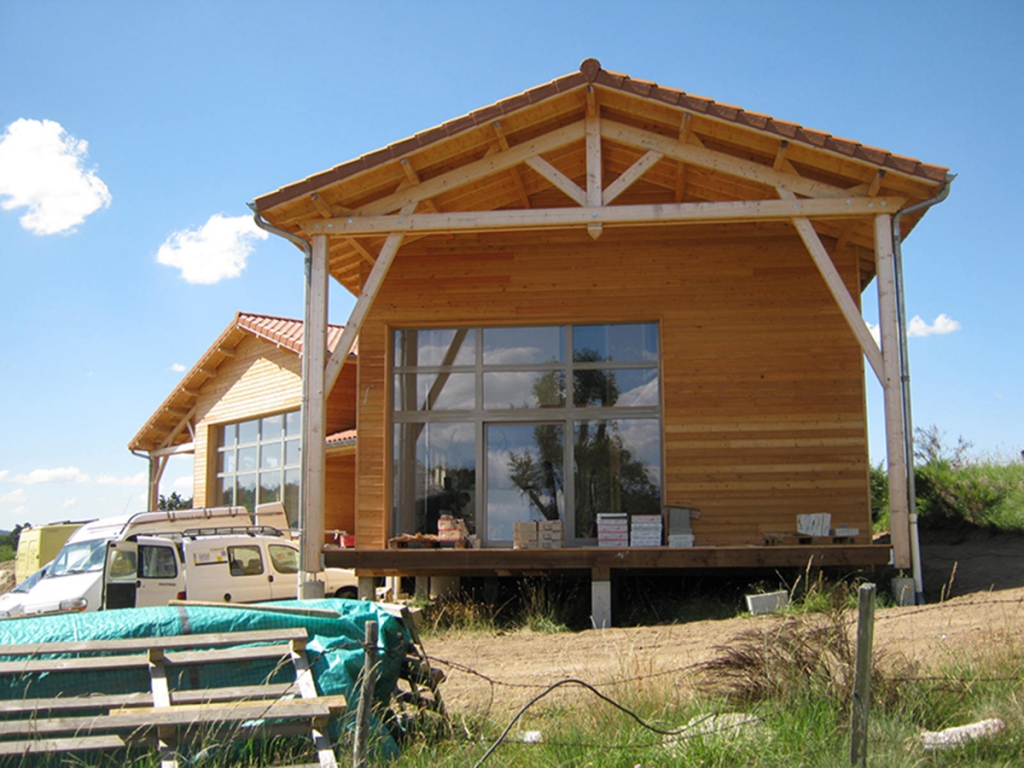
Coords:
pixel 762 380
pixel 261 379
pixel 340 504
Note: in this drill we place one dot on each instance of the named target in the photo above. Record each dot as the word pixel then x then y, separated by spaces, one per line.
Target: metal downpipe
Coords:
pixel 306 568
pixel 908 422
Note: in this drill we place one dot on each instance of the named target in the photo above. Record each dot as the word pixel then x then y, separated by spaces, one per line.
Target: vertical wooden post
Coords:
pixel 862 676
pixel 369 675
pixel 895 439
pixel 314 422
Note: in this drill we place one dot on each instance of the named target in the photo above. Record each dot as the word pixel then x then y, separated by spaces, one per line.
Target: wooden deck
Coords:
pixel 601 560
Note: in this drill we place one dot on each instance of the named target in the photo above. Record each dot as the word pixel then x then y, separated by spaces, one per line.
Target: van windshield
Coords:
pixel 80 557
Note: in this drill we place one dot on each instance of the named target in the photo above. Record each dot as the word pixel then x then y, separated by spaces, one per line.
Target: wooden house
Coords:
pixel 607 296
pixel 237 411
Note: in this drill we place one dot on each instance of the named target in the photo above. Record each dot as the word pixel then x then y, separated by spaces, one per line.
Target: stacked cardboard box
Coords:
pixel 612 530
pixel 524 535
pixel 550 534
pixel 645 531
pixel 451 529
pixel 546 534
pixel 680 532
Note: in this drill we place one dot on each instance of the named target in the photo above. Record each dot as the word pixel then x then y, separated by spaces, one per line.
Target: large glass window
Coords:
pixel 507 410
pixel 258 462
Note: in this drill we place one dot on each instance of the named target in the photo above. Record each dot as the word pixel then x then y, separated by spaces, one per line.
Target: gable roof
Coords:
pixel 446 169
pixel 167 426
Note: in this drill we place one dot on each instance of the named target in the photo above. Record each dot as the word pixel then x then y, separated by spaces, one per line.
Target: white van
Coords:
pixel 217 554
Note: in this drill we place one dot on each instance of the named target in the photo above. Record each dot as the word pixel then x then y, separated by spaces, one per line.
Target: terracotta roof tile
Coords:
pixel 338 438
pixel 282 331
pixel 591 71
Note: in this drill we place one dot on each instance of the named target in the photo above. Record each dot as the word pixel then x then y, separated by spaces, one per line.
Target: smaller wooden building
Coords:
pixel 604 295
pixel 237 411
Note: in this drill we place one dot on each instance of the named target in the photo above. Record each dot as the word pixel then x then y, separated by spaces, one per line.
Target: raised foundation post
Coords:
pixel 601 598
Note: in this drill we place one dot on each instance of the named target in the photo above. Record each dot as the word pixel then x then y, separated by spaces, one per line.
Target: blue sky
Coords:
pixel 188 110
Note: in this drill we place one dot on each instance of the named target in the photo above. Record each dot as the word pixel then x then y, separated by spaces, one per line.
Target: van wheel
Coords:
pixel 347 593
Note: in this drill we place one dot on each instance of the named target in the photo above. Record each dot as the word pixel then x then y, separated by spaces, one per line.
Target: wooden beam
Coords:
pixel 837 287
pixel 594 171
pixel 476 170
pixel 517 177
pixel 892 389
pixel 780 155
pixel 718 161
pixel 360 249
pixel 595 180
pixel 175 450
pixel 410 172
pixel 634 172
pixel 558 179
pixel 321 207
pixel 872 190
pixel 685 132
pixel 625 215
pixel 363 303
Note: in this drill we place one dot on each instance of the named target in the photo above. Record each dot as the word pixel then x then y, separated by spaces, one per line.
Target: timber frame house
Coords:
pixel 237 413
pixel 598 206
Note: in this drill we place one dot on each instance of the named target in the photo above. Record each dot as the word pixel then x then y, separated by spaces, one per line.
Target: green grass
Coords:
pixel 956 489
pixel 798 685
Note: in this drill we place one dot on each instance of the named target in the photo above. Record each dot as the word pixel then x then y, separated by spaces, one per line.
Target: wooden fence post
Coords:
pixel 365 706
pixel 862 676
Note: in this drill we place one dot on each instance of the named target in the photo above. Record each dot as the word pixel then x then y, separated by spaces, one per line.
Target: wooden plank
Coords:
pixel 558 179
pixel 474 171
pixel 165 642
pixel 718 161
pixel 595 183
pixel 366 298
pixel 183 715
pixel 489 561
pixel 49 746
pixel 307 688
pixel 842 296
pixel 669 213
pixel 892 390
pixel 116 701
pixel 635 171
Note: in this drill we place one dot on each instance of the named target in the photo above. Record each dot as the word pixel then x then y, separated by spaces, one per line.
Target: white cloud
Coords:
pixel 14 497
pixel 943 324
pixel 70 502
pixel 139 478
pixel 184 483
pixel 876 332
pixel 178 368
pixel 56 475
pixel 215 251
pixel 41 169
pixel 16 512
pixel 4 473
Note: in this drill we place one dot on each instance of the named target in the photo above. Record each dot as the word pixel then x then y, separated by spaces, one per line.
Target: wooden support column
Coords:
pixel 157 465
pixel 314 422
pixel 895 437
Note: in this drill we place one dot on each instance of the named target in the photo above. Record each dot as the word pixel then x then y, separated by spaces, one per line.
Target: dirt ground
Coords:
pixel 975 586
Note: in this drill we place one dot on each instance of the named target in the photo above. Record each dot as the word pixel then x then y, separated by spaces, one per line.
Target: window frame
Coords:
pixel 568 414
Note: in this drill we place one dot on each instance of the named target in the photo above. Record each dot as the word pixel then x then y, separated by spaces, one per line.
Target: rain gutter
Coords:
pixel 908 422
pixel 308 567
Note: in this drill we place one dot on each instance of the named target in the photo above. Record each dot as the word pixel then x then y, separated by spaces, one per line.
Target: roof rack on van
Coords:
pixel 234 530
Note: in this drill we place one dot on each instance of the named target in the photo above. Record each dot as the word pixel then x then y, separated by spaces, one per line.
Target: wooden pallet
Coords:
pixel 161 717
